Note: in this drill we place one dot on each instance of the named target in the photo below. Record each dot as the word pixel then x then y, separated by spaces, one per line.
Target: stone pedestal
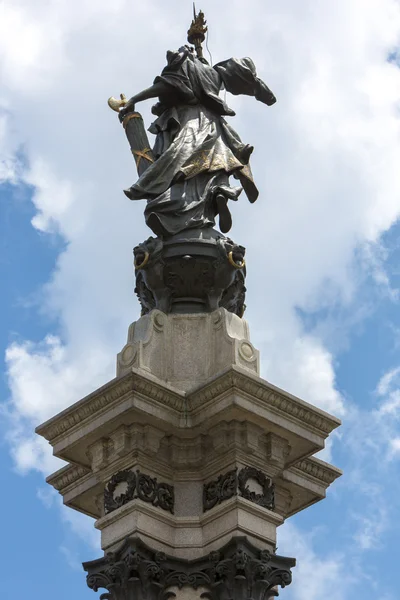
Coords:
pixel 194 458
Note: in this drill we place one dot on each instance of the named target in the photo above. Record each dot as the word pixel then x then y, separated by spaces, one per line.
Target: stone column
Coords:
pixel 189 462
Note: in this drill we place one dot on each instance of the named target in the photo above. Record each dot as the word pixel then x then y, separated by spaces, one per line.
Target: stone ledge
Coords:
pixel 306 482
pixel 188 410
pixel 317 469
pixel 67 476
pixel 190 536
pixel 265 393
pixel 102 399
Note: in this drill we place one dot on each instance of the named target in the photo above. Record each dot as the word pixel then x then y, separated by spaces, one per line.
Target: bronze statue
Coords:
pixel 190 266
pixel 186 182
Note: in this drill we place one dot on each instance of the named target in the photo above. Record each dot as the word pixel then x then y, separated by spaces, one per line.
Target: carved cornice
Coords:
pixel 265 393
pixel 318 469
pixel 101 399
pixel 86 408
pixel 67 476
pixel 234 379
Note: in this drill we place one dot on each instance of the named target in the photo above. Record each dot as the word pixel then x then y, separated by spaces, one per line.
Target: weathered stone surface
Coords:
pixel 187 350
pixel 296 488
pixel 190 536
pixel 139 400
pixel 186 409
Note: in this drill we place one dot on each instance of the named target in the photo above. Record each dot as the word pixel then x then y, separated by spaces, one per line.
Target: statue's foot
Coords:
pixel 225 219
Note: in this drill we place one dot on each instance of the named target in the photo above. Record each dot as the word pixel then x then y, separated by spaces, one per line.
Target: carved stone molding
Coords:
pixel 124 440
pixel 237 434
pixel 131 383
pixel 183 453
pixel 266 393
pixel 67 476
pixel 235 483
pixel 277 450
pixel 103 398
pixel 138 485
pixel 238 571
pixel 318 469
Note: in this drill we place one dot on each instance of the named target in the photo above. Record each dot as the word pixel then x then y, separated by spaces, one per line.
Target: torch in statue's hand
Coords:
pixel 123 111
pixel 121 106
pixel 135 132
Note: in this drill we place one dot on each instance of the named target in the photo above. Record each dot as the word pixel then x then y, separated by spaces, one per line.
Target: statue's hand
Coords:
pixel 128 108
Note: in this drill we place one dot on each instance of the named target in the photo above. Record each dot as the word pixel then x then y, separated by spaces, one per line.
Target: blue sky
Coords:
pixel 26 261
pixel 322 253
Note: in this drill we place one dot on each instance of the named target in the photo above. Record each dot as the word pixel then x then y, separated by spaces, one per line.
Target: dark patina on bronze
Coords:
pixel 185 179
pixel 198 271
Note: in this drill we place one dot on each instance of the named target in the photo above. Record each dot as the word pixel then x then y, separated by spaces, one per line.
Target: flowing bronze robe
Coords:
pixel 196 150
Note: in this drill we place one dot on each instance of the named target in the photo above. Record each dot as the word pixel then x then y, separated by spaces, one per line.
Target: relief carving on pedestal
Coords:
pixel 138 485
pixel 235 483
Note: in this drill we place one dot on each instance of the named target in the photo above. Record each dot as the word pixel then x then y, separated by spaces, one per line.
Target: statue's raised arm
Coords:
pixel 195 150
pixel 185 177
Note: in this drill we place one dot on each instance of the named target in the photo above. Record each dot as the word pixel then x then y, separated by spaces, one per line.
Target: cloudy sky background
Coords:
pixel 322 253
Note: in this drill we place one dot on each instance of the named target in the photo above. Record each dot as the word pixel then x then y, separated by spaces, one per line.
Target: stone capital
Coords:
pixel 237 571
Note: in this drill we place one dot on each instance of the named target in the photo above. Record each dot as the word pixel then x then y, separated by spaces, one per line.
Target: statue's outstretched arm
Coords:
pixel 157 89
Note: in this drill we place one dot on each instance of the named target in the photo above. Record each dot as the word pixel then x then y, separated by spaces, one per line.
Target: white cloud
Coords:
pixel 315 576
pixel 79 525
pixel 47 495
pixel 9 164
pixel 394 446
pixel 387 414
pixel 370 443
pixel 392 405
pixel 53 197
pixel 371 527
pixel 326 163
pixel 82 526
pixel 32 453
pixel 45 378
pixel 387 380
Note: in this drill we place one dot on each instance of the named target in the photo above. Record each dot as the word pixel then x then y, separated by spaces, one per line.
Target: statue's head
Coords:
pixel 178 56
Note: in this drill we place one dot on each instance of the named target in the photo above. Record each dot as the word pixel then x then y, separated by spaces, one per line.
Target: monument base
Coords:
pixel 195 458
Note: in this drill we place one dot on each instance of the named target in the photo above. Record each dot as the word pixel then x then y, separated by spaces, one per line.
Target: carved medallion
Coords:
pixel 235 483
pixel 221 489
pixel 138 485
pixel 266 497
